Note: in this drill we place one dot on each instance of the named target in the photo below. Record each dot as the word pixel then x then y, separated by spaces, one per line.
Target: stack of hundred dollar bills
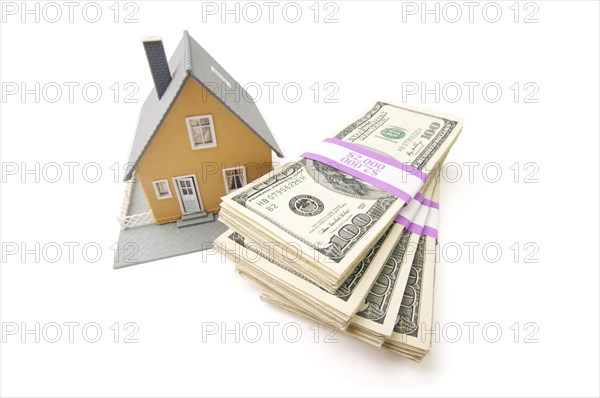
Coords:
pixel 345 235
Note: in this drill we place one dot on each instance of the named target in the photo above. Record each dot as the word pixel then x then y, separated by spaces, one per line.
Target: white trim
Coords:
pixel 183 212
pixel 220 76
pixel 234 168
pixel 212 132
pixel 151 38
pixel 168 195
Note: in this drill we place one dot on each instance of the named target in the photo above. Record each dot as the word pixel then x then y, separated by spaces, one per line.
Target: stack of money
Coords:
pixel 398 310
pixel 340 235
pixel 411 335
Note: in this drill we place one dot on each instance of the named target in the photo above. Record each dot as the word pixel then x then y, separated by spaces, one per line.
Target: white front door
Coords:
pixel 188 194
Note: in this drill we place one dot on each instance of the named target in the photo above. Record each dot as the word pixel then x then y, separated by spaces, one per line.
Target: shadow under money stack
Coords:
pixel 342 234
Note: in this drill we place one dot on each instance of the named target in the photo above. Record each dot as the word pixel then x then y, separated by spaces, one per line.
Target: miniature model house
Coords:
pixel 199 135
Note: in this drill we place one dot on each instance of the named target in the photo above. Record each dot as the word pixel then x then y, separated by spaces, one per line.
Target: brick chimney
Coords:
pixel 159 66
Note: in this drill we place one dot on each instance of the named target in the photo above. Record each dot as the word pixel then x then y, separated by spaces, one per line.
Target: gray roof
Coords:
pixel 190 60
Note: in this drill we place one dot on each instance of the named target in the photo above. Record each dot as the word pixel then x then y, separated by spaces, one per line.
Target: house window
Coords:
pixel 161 187
pixel 201 130
pixel 235 177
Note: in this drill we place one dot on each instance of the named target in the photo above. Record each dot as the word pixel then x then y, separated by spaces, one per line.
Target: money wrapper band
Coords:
pixel 431 224
pixel 408 213
pixel 420 216
pixel 397 178
pixel 429 228
pixel 426 202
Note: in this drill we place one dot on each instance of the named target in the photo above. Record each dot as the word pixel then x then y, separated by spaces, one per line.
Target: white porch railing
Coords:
pixel 136 220
pixel 132 220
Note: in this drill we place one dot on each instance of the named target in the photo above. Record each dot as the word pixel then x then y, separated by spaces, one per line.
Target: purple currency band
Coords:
pixel 426 202
pixel 429 231
pixel 378 156
pixel 415 228
pixel 400 219
pixel 403 221
pixel 348 170
pixel 420 229
pixel 406 197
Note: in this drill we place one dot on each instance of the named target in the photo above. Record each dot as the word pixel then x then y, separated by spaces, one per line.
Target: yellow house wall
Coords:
pixel 170 153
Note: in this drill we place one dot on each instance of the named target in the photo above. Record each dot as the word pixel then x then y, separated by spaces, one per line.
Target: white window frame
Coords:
pixel 226 181
pixel 168 195
pixel 191 133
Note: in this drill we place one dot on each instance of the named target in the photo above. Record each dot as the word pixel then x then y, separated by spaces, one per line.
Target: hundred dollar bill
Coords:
pixel 375 320
pixel 330 215
pixel 411 337
pixel 255 262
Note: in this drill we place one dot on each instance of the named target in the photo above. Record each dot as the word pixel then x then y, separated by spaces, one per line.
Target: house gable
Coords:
pixel 170 154
pixel 191 60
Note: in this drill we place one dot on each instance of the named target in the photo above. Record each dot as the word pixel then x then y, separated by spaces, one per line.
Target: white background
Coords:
pixel 374 51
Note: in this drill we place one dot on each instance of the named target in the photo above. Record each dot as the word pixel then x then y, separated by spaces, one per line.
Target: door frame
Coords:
pixel 177 188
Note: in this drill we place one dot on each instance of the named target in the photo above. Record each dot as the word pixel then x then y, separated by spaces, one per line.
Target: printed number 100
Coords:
pixel 350 231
